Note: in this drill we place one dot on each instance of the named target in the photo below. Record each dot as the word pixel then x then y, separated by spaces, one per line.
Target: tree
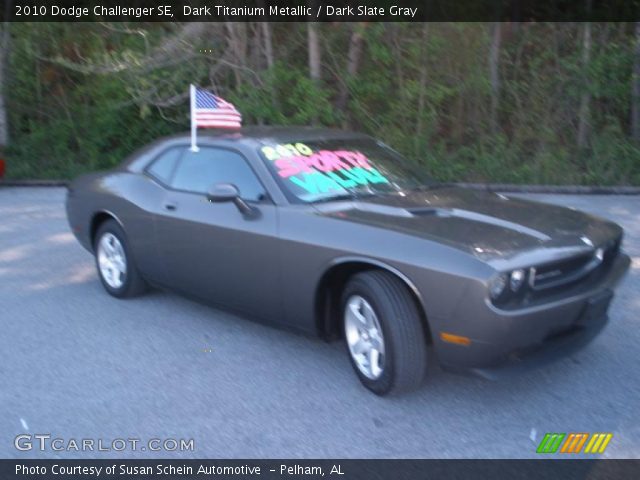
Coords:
pixel 422 84
pixel 315 65
pixel 314 56
pixel 585 99
pixel 494 73
pixel 268 44
pixel 238 42
pixel 635 89
pixel 4 54
pixel 354 56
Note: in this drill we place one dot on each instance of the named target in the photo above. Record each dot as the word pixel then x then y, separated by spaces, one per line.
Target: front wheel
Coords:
pixel 384 333
pixel 116 269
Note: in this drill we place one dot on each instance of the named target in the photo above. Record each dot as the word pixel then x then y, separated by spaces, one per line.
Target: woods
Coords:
pixel 487 102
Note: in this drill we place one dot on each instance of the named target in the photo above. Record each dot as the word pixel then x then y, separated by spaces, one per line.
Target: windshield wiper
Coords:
pixel 334 198
pixel 352 195
pixel 428 186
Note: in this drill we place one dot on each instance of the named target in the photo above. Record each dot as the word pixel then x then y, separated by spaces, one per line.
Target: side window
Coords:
pixel 163 166
pixel 198 171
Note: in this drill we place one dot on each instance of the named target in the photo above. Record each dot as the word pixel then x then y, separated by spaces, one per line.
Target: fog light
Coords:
pixel 517 279
pixel 497 285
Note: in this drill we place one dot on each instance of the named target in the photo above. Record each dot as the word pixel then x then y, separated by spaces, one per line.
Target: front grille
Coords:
pixel 560 272
pixel 571 270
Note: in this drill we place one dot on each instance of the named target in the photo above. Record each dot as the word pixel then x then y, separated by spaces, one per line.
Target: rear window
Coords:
pixel 163 167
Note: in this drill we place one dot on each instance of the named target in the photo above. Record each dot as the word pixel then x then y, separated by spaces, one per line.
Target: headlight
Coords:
pixel 517 279
pixel 599 254
pixel 497 285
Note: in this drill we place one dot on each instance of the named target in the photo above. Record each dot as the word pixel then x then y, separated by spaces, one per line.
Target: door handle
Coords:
pixel 170 206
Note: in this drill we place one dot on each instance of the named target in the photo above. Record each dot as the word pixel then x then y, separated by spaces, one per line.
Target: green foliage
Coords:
pixel 286 97
pixel 63 123
pixel 83 96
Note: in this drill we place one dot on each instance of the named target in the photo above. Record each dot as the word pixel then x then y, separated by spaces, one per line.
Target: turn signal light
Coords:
pixel 457 339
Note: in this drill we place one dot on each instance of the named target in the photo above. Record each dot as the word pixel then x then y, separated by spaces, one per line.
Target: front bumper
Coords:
pixel 506 342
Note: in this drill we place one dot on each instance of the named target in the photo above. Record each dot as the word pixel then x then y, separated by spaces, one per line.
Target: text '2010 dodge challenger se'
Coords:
pixel 335 233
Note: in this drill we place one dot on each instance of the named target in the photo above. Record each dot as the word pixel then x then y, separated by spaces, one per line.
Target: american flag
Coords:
pixel 213 111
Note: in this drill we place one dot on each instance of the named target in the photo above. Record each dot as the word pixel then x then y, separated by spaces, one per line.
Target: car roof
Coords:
pixel 273 134
pixel 251 136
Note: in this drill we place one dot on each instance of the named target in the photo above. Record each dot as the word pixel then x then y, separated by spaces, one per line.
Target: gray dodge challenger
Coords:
pixel 336 234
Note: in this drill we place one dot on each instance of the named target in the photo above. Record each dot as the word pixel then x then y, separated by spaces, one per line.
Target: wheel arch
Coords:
pixel 333 281
pixel 97 219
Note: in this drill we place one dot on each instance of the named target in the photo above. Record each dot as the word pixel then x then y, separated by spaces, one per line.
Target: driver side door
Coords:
pixel 212 250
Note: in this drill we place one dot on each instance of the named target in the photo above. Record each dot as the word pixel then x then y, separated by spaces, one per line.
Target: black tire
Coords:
pixel 133 284
pixel 405 358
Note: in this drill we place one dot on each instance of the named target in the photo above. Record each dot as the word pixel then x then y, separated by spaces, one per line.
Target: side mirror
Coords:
pixel 226 192
pixel 222 192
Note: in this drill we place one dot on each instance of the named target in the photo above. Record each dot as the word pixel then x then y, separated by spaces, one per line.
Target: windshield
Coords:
pixel 320 170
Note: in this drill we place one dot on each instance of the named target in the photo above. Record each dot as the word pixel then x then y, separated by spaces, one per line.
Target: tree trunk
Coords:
pixel 237 39
pixel 355 49
pixel 315 71
pixel 422 89
pixel 4 55
pixel 494 74
pixel 354 55
pixel 315 68
pixel 585 99
pixel 256 59
pixel 635 89
pixel 270 58
pixel 395 34
pixel 268 44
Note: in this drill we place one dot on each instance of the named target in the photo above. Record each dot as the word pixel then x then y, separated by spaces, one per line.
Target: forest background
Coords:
pixel 545 103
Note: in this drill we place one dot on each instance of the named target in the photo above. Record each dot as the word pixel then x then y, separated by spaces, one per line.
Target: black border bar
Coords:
pixel 348 469
pixel 321 10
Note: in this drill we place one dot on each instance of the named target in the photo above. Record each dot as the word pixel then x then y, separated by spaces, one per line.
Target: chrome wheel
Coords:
pixel 112 261
pixel 364 337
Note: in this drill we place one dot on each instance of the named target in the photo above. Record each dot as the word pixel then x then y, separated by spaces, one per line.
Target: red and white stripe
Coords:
pixel 224 116
pixel 218 117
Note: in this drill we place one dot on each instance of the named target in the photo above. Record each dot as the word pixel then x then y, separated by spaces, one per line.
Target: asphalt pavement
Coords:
pixel 78 364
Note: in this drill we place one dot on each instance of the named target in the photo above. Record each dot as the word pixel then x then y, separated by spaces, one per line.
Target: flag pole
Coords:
pixel 192 93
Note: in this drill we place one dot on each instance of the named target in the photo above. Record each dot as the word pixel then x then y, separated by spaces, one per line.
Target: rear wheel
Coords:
pixel 384 333
pixel 116 269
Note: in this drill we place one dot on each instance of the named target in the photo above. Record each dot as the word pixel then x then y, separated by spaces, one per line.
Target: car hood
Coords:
pixel 488 225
